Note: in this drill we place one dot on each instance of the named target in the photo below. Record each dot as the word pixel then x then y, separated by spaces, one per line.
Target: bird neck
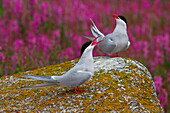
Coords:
pixel 120 26
pixel 87 56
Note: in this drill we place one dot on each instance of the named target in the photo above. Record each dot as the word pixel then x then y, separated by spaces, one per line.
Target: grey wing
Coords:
pixel 108 45
pixel 84 76
pixel 41 78
pixel 76 78
pixel 49 84
pixel 90 38
pixel 95 30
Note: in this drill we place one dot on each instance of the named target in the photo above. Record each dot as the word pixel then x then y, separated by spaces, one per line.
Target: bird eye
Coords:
pixel 111 39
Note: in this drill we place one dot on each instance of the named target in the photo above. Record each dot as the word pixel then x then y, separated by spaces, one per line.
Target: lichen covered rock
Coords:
pixel 119 84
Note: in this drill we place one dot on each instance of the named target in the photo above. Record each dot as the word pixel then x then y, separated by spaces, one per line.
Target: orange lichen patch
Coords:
pixel 126 88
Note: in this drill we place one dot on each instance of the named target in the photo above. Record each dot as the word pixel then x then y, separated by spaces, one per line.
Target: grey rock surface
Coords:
pixel 119 84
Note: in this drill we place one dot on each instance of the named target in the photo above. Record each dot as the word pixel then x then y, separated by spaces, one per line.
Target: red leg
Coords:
pixel 79 89
pixel 114 56
pixel 76 91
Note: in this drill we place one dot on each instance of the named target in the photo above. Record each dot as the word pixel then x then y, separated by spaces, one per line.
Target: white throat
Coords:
pixel 120 26
pixel 120 23
pixel 87 55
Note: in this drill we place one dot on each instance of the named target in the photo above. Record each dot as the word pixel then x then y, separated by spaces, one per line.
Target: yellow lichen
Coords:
pixel 103 93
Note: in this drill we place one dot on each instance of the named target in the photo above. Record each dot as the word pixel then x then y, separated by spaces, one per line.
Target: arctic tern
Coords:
pixel 114 42
pixel 76 76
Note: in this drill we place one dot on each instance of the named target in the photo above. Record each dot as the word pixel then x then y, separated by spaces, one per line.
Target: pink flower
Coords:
pixel 58 42
pixel 18 44
pixel 44 29
pixel 158 82
pixel 1 56
pixel 166 96
pixel 32 40
pixel 34 24
pixel 56 33
pixel 6 75
pixel 18 6
pixel 146 49
pixel 168 76
pixel 12 69
pixel 162 93
pixel 13 24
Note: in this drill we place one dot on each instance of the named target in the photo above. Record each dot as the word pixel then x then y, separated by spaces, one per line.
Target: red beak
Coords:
pixel 93 42
pixel 115 16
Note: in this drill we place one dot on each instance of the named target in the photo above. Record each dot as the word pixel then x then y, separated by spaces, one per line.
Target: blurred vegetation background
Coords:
pixel 37 33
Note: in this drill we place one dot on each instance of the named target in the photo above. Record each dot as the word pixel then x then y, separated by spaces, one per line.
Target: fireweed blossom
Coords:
pixel 36 33
pixel 1 57
pixel 162 93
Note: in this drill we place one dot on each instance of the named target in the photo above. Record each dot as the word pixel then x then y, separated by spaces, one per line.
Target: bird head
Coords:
pixel 89 44
pixel 120 18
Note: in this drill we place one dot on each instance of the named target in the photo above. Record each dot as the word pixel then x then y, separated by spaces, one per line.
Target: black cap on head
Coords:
pixel 122 18
pixel 84 46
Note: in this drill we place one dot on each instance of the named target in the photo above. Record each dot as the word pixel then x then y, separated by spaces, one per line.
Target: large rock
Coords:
pixel 119 84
